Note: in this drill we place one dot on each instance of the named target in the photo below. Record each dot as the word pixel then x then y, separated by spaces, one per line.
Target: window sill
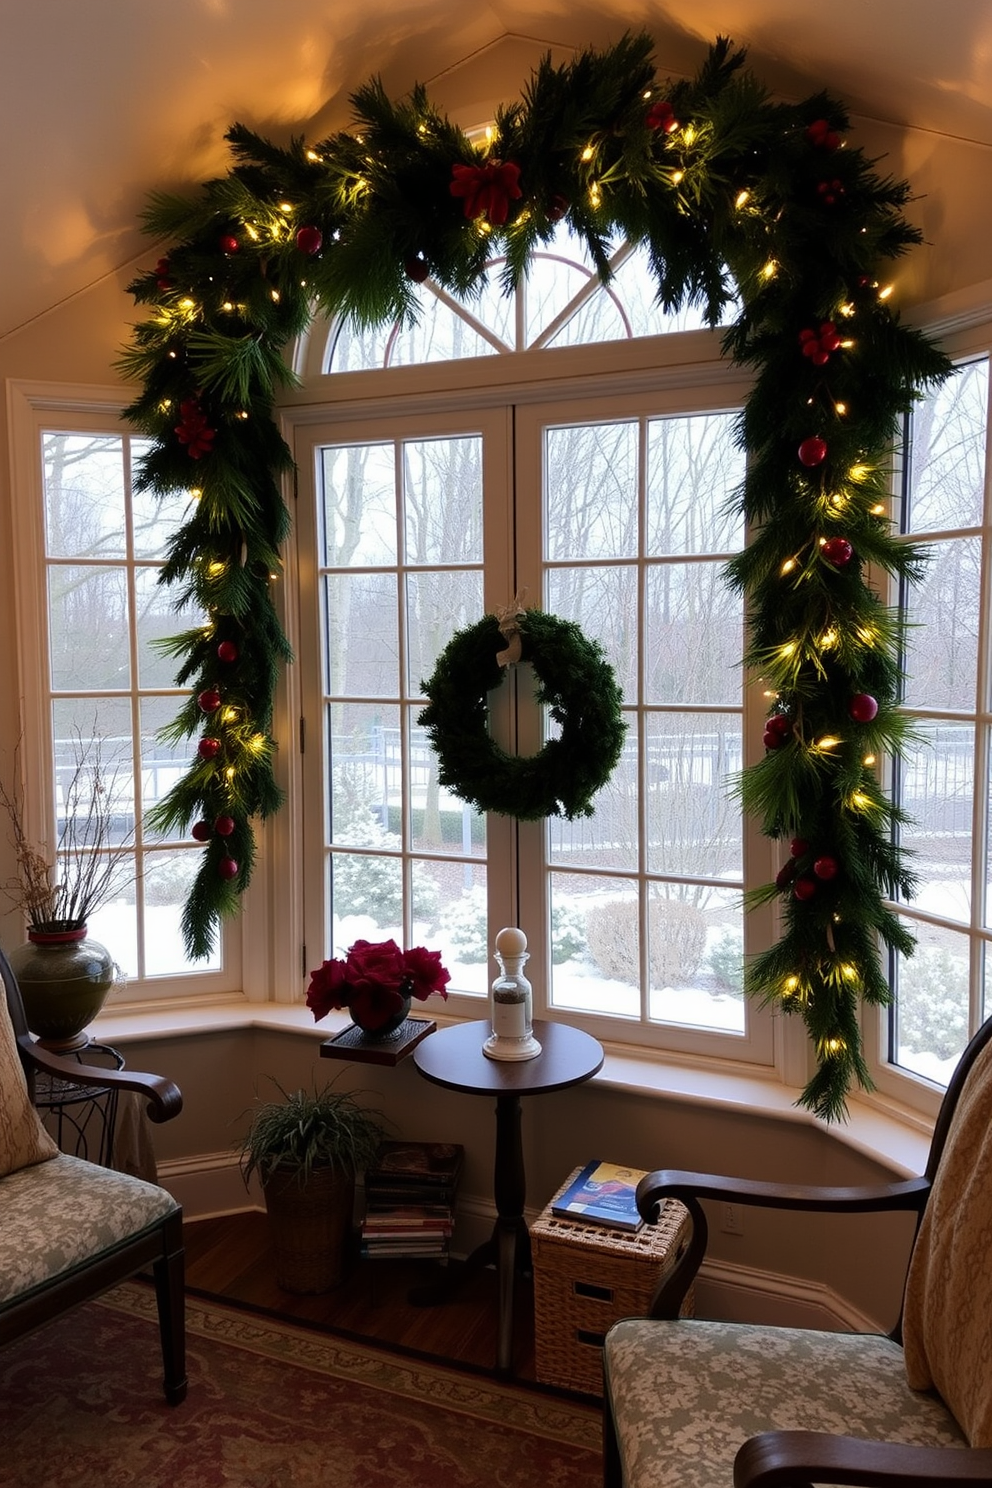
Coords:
pixel 897 1138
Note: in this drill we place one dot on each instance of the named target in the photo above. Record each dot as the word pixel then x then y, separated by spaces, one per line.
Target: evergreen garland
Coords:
pixel 583 698
pixel 730 193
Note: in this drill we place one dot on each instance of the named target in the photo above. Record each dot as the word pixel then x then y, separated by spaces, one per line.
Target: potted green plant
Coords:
pixel 308 1148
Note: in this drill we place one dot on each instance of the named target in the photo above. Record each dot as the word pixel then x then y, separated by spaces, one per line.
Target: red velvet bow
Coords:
pixel 488 189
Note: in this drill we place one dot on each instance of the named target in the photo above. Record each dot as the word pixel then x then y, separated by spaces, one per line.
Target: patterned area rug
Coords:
pixel 269 1406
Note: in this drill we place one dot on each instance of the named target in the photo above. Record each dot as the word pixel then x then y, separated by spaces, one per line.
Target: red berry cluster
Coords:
pixel 818 345
pixel 830 192
pixel 193 430
pixel 661 115
pixel 821 869
pixel 163 274
pixel 822 136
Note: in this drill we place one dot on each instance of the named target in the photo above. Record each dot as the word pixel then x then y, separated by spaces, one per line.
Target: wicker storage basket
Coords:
pixel 310 1227
pixel 587 1277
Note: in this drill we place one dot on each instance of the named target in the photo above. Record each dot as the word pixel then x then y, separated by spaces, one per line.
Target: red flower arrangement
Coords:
pixel 374 981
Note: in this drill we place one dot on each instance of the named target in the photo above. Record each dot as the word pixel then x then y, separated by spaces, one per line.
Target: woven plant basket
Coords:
pixel 311 1227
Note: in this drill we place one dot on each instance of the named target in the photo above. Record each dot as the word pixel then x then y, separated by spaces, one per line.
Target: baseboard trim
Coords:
pixel 211 1186
pixel 746 1294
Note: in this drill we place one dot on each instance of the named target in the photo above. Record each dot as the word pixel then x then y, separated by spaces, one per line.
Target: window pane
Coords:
pixel 461 932
pixel 168 880
pixel 358 484
pixel 609 837
pixel 361 636
pixel 693 468
pixel 591 482
pixel 440 822
pixel 158 619
pixel 938 784
pixel 438 604
pixel 694 634
pixel 595 967
pixel 84 496
pixel 443 500
pixel 932 1007
pixel 162 765
pixel 694 823
pixel 948 453
pixel 88 620
pixel 688 930
pixel 602 601
pixel 942 638
pixel 366 772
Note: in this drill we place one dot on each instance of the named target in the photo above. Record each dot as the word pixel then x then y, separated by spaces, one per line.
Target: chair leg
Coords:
pixel 612 1470
pixel 170 1294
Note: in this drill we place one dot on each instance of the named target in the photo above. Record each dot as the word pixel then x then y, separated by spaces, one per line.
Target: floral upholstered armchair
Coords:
pixel 70 1229
pixel 702 1404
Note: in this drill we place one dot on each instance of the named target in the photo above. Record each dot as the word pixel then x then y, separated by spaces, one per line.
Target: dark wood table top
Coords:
pixel 453 1057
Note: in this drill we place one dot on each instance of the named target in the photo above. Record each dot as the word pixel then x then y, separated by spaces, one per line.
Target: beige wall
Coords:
pixel 77 343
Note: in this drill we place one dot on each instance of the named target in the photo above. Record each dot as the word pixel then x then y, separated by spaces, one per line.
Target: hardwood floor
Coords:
pixel 231 1259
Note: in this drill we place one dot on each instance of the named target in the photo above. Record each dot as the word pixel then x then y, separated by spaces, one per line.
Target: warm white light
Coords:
pixel 787 566
pixel 770 269
pixel 587 153
pixel 742 197
pixel 883 294
pixel 676 177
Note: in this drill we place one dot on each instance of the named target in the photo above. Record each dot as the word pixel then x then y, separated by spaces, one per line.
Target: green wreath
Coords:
pixel 575 682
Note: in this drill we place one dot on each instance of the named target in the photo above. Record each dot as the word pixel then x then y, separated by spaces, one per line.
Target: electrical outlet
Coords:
pixel 731 1219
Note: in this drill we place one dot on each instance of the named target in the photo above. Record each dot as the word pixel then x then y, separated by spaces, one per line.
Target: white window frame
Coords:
pixel 682 373
pixel 964 336
pixel 35 409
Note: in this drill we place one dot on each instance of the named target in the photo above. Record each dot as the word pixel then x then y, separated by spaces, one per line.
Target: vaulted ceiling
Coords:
pixel 102 101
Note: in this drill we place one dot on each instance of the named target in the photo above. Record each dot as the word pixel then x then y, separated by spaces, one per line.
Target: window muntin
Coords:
pixel 561 303
pixel 103 678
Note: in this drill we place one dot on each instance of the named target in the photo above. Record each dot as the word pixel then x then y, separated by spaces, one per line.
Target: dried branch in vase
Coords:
pixel 93 860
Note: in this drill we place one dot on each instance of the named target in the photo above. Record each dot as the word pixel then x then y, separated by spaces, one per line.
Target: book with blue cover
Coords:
pixel 603 1193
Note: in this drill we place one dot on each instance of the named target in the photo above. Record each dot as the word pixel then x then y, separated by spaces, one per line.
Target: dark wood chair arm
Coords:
pixel 164 1098
pixel 690 1188
pixel 797 1459
pixel 672 1183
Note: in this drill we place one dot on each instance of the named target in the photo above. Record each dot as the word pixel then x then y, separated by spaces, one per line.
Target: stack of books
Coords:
pixel 410 1200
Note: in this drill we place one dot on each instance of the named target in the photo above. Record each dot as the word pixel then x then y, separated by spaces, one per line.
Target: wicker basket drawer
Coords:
pixel 587 1277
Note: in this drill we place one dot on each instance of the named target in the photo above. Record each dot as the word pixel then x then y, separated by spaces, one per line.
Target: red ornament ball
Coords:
pixel 227 651
pixel 838 551
pixel 557 208
pixel 229 243
pixel 208 748
pixel 862 707
pixel 209 699
pixel 200 831
pixel 779 723
pixel 416 269
pixel 772 739
pixel 227 868
pixel 826 867
pixel 224 826
pixel 799 847
pixel 309 240
pixel 813 451
pixel 804 888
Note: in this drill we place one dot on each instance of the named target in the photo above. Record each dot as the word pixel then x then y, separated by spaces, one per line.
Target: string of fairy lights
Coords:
pixel 734 197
